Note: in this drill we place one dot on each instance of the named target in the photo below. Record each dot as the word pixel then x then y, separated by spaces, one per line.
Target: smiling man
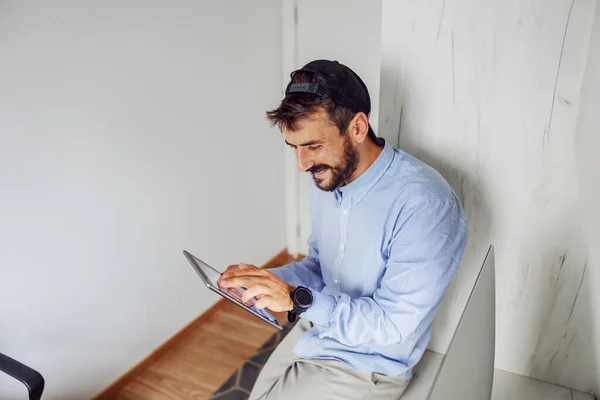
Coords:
pixel 388 234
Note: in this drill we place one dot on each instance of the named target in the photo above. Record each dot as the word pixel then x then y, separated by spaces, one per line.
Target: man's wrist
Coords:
pixel 290 306
pixel 301 298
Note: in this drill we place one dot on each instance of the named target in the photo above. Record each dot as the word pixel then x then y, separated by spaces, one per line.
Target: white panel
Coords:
pixel 509 386
pixel 468 369
pixel 488 93
pixel 348 31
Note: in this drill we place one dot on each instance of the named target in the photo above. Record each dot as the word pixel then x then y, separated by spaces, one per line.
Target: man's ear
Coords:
pixel 359 127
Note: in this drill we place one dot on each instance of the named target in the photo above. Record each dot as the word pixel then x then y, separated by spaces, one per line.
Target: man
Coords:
pixel 388 234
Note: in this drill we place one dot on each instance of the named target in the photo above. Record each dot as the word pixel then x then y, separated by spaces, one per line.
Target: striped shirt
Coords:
pixel 381 253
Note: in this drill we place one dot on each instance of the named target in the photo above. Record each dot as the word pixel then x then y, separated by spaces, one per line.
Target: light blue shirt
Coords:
pixel 381 253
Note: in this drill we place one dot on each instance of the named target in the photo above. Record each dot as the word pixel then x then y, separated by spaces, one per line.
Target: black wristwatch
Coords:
pixel 302 300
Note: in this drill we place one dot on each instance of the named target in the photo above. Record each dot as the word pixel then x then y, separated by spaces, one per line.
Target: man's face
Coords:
pixel 330 157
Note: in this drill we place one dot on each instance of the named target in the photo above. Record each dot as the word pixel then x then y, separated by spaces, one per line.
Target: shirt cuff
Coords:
pixel 276 272
pixel 321 309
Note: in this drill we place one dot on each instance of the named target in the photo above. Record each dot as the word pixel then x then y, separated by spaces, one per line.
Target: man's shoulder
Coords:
pixel 411 180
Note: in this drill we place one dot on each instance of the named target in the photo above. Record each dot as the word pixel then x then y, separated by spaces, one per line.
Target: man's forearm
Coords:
pixel 306 272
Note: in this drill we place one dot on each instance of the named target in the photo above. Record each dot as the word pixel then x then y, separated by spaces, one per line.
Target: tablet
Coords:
pixel 210 276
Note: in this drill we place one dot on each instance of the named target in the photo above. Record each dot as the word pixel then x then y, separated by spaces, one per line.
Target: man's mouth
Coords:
pixel 319 173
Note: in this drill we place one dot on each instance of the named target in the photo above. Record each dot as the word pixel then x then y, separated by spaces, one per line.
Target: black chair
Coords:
pixel 32 379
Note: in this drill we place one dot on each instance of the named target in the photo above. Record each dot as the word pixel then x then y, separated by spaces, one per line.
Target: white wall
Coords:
pixel 489 94
pixel 129 131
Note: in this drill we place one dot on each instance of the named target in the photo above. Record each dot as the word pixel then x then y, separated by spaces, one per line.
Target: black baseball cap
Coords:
pixel 336 81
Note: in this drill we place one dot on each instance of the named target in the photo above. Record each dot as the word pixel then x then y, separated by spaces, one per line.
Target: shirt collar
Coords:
pixel 359 187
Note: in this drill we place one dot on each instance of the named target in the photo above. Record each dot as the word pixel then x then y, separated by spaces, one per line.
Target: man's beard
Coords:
pixel 341 173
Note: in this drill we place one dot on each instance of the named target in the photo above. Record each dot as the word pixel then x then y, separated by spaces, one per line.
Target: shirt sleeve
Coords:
pixel 425 251
pixel 306 272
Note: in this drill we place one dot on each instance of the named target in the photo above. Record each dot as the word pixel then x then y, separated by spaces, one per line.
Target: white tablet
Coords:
pixel 210 276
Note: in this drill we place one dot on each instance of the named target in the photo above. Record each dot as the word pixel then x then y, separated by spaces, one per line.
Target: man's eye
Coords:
pixel 313 148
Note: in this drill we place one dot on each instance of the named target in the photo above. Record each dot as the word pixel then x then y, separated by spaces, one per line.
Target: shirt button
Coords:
pixel 342 246
pixel 345 212
pixel 335 281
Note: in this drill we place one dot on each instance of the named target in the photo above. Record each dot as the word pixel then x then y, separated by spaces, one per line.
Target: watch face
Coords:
pixel 303 297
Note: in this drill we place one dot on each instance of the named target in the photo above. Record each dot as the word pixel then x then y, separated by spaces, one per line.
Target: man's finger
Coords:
pixel 256 290
pixel 230 269
pixel 250 272
pixel 234 268
pixel 238 267
pixel 264 302
pixel 244 282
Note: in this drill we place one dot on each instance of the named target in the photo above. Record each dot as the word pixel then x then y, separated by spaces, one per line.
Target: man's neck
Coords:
pixel 368 154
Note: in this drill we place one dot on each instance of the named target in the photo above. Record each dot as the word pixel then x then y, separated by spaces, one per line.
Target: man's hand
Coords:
pixel 268 290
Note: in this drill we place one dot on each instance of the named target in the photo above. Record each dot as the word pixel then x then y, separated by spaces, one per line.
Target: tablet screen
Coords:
pixel 234 293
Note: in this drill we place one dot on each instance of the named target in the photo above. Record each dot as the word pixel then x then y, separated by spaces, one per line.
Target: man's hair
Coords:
pixel 298 106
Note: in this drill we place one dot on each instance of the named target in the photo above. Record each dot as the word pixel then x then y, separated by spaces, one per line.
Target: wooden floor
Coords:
pixel 204 357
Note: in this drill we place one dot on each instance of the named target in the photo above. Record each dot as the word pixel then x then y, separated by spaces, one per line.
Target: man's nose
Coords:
pixel 303 160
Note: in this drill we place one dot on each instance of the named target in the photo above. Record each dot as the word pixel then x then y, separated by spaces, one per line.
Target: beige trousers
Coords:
pixel 288 377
